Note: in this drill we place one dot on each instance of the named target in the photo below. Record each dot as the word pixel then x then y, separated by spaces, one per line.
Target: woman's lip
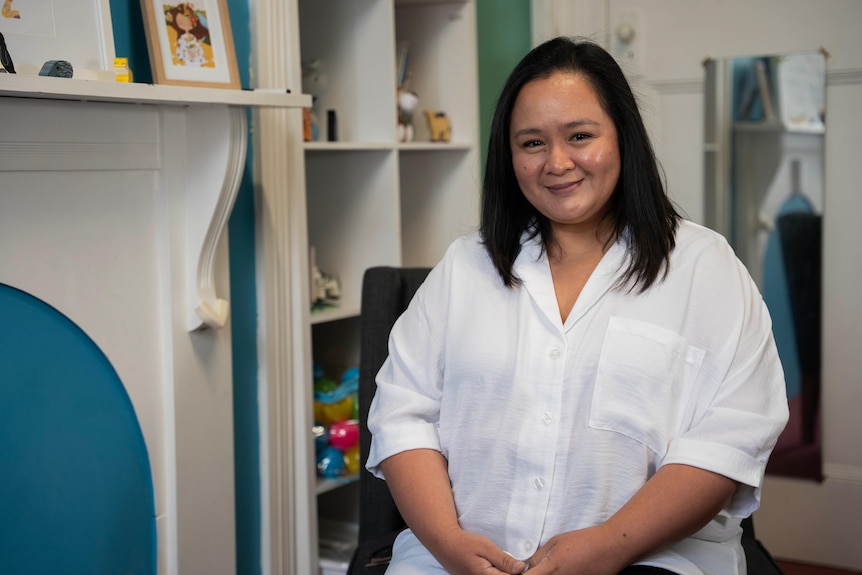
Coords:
pixel 559 188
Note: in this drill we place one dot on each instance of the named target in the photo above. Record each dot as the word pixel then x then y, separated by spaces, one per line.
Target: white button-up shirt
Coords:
pixel 550 426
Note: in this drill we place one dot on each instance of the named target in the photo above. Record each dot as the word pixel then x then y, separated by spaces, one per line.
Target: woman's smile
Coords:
pixel 564 188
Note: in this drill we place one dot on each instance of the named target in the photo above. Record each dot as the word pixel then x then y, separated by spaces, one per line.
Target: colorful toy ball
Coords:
pixel 351 460
pixel 344 434
pixel 330 463
pixel 329 413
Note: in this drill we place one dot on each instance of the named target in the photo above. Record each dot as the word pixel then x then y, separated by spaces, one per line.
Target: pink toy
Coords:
pixel 344 435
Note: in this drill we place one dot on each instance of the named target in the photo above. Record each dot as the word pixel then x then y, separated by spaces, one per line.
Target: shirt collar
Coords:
pixel 531 266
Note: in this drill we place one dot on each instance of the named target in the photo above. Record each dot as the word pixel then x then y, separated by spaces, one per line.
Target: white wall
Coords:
pixel 801 520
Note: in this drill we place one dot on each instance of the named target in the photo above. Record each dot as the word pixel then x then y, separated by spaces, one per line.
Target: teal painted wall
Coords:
pixel 130 41
pixel 129 38
pixel 243 301
pixel 503 32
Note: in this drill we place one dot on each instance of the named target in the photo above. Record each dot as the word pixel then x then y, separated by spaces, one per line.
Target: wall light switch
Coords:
pixel 628 41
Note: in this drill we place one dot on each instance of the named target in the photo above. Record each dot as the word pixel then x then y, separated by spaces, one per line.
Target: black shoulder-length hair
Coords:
pixel 640 209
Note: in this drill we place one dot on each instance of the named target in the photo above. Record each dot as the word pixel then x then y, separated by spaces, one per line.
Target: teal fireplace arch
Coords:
pixel 76 489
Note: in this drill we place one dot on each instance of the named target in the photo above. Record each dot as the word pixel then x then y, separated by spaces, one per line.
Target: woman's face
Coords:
pixel 184 23
pixel 564 150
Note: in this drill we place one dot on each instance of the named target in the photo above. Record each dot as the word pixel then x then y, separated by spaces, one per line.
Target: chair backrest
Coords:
pixel 386 292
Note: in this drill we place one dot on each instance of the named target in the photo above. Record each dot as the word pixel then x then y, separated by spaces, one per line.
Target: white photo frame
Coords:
pixel 77 31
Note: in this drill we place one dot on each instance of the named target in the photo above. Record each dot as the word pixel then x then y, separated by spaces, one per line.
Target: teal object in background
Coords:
pixel 243 302
pixel 130 40
pixel 776 294
pixel 503 36
pixel 76 492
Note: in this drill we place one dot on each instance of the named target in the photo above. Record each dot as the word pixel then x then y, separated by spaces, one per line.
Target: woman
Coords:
pixel 589 384
pixel 192 35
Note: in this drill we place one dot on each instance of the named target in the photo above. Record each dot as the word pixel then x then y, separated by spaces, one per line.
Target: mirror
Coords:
pixel 764 190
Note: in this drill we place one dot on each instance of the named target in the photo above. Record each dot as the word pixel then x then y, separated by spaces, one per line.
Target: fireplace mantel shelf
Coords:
pixel 43 87
pixel 205 125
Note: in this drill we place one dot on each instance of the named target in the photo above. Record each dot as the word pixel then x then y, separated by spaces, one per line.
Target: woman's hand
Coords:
pixel 419 482
pixel 468 553
pixel 676 502
pixel 585 552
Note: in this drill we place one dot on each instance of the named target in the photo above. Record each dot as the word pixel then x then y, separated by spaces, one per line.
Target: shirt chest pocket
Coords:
pixel 643 383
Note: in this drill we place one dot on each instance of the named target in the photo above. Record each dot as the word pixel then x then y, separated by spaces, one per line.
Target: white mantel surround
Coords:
pixel 114 200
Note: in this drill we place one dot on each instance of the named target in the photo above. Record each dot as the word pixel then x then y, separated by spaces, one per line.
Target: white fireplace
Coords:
pixel 114 200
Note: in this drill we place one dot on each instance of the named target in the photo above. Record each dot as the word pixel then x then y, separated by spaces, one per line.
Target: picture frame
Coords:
pixel 190 43
pixel 79 32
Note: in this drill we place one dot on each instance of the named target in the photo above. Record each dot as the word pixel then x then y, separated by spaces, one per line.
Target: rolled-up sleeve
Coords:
pixel 741 408
pixel 405 411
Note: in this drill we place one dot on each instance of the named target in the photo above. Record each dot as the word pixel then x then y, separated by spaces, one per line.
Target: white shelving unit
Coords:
pixel 370 199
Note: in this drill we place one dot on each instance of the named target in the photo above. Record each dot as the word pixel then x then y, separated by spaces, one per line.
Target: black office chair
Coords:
pixel 386 291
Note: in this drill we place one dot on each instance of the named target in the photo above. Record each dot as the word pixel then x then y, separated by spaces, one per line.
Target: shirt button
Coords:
pixel 547 418
pixel 539 483
pixel 528 546
pixel 555 354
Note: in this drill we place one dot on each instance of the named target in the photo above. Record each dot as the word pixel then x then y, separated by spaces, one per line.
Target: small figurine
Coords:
pixel 407 102
pixel 327 288
pixel 438 125
pixel 56 69
pixel 6 64
pixel 314 82
pixel 122 72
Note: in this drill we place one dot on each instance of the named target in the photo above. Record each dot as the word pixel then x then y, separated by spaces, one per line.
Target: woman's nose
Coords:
pixel 559 160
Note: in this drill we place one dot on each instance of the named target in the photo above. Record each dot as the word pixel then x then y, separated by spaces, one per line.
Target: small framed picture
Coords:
pixel 37 31
pixel 190 43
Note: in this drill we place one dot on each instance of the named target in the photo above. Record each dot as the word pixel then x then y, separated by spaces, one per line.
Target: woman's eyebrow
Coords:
pixel 571 125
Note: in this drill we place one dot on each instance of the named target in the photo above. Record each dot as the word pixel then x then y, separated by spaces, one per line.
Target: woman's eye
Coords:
pixel 532 143
pixel 580 136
